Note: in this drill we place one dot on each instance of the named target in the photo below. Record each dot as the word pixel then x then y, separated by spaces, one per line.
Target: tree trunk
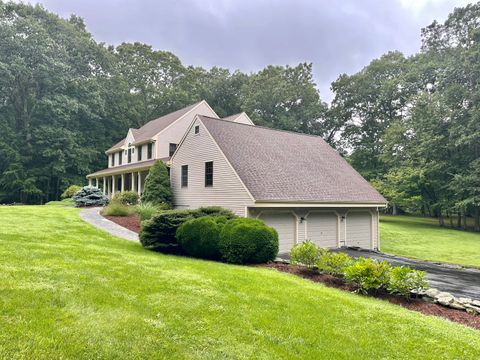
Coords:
pixel 459 219
pixel 450 217
pixel 464 227
pixel 394 209
pixel 441 220
pixel 476 215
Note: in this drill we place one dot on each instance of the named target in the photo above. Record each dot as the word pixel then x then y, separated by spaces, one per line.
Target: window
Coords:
pixel 184 175
pixel 149 151
pixel 119 158
pixel 197 129
pixel 129 158
pixel 139 153
pixel 113 159
pixel 172 149
pixel 209 173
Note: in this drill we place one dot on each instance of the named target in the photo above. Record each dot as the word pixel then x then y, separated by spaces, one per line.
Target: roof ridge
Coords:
pixel 265 127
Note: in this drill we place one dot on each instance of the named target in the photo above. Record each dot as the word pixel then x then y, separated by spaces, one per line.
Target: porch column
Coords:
pixel 132 185
pixel 89 181
pixel 122 184
pixel 96 182
pixel 113 185
pixel 139 183
pixel 104 185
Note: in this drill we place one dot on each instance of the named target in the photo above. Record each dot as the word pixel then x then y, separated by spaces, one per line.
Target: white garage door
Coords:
pixel 322 229
pixel 284 223
pixel 359 229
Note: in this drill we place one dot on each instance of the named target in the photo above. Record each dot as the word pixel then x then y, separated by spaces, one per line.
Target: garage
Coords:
pixel 359 229
pixel 322 229
pixel 284 223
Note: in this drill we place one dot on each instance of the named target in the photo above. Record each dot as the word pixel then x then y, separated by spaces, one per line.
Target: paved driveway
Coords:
pixel 460 282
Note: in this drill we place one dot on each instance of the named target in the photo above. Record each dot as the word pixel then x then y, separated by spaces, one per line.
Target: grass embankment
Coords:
pixel 68 290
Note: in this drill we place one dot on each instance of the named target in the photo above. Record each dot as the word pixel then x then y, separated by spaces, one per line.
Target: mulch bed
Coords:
pixel 131 222
pixel 419 305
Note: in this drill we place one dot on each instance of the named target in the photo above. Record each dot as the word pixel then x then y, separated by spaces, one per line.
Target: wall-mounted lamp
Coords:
pixel 302 219
pixel 342 218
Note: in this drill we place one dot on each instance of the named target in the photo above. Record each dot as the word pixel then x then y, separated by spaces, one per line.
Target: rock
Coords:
pixel 445 298
pixel 476 303
pixel 432 293
pixel 464 300
pixel 472 309
pixel 456 305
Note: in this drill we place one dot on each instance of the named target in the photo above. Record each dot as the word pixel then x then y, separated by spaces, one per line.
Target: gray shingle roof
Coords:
pixel 153 127
pixel 278 165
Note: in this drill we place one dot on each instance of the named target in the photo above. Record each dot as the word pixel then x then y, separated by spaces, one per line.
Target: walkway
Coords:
pixel 93 217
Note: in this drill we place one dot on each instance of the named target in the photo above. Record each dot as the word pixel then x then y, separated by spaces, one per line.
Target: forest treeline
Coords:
pixel 410 125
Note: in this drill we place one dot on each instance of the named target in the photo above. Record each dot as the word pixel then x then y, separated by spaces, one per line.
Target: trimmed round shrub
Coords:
pixel 70 191
pixel 160 230
pixel 199 237
pixel 126 198
pixel 248 241
pixel 90 196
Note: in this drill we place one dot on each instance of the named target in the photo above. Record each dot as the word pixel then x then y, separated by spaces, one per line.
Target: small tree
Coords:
pixel 157 185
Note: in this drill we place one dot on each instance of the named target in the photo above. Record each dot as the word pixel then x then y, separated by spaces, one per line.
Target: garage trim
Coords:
pixel 372 235
pixel 283 212
pixel 324 211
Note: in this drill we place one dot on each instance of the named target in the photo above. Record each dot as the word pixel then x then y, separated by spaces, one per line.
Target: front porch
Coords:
pixel 129 177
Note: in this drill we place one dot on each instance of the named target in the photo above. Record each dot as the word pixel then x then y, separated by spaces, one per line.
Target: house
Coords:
pixel 294 182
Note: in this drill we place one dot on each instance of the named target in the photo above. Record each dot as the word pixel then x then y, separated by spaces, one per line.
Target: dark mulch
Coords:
pixel 419 305
pixel 131 222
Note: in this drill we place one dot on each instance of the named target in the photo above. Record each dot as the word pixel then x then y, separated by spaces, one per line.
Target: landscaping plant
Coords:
pixel 90 196
pixel 333 263
pixel 248 241
pixel 161 229
pixel 403 280
pixel 70 191
pixel 369 274
pixel 117 209
pixel 147 209
pixel 157 185
pixel 306 253
pixel 199 237
pixel 126 198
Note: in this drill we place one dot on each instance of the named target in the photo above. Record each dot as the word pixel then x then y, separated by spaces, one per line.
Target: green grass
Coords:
pixel 68 290
pixel 62 203
pixel 423 238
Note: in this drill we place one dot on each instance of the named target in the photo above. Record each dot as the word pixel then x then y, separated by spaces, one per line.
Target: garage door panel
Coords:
pixel 359 231
pixel 322 229
pixel 284 223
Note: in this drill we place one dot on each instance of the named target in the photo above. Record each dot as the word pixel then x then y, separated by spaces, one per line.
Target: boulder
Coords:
pixel 432 293
pixel 472 309
pixel 476 303
pixel 464 300
pixel 456 305
pixel 445 298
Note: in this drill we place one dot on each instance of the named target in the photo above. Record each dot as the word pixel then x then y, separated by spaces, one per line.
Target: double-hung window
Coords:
pixel 149 150
pixel 209 173
pixel 113 159
pixel 172 149
pixel 184 175
pixel 120 158
pixel 139 153
pixel 129 156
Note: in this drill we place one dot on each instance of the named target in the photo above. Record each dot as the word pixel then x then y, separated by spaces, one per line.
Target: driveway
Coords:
pixel 460 282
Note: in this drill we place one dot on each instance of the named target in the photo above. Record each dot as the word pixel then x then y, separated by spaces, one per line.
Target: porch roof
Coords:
pixel 122 169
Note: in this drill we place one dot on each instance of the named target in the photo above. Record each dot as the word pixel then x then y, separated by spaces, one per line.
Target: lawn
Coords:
pixel 68 290
pixel 423 238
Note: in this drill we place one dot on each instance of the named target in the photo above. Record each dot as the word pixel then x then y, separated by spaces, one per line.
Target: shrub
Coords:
pixel 160 230
pixel 216 211
pixel 146 209
pixel 199 237
pixel 157 185
pixel 126 198
pixel 90 196
pixel 306 253
pixel 117 209
pixel 368 274
pixel 70 191
pixel 403 279
pixel 245 240
pixel 333 263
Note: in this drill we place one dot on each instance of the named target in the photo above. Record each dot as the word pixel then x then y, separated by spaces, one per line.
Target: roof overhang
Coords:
pixel 124 169
pixel 316 204
pixel 147 141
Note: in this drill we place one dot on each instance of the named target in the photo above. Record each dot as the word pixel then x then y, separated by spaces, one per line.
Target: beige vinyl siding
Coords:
pixel 227 189
pixel 174 133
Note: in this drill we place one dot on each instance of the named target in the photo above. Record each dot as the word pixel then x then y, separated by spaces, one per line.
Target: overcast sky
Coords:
pixel 339 36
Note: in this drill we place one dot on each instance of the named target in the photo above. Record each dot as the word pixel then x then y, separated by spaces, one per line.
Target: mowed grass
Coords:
pixel 423 238
pixel 68 290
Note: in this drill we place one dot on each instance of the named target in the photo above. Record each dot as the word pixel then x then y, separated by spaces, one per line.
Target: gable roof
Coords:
pixel 153 127
pixel 282 166
pixel 235 118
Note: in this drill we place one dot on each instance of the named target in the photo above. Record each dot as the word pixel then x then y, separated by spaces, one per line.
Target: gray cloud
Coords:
pixel 338 37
